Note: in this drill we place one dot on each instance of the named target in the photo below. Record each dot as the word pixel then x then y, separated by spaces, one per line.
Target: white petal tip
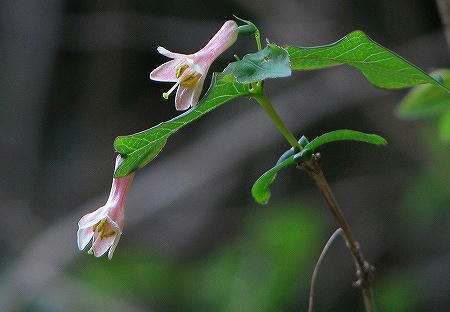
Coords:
pixel 194 66
pixel 83 237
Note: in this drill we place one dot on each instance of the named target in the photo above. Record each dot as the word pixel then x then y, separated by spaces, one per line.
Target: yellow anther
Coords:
pixel 95 226
pixel 180 70
pixel 190 80
pixel 109 234
pixel 100 226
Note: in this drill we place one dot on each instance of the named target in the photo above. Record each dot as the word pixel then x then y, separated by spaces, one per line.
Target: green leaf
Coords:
pixel 140 148
pixel 380 66
pixel 425 101
pixel 260 189
pixel 271 62
pixel 344 134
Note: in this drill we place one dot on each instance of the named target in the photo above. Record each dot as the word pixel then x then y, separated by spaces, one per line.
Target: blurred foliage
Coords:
pixel 398 293
pixel 426 101
pixel 427 199
pixel 266 269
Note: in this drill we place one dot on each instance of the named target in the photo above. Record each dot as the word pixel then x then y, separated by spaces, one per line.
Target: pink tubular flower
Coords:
pixel 189 71
pixel 104 225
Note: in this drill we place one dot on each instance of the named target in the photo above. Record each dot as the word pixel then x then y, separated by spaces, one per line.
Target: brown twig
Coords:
pixel 316 268
pixel 364 271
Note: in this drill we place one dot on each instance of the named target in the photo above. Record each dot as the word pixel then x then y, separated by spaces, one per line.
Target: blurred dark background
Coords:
pixel 74 75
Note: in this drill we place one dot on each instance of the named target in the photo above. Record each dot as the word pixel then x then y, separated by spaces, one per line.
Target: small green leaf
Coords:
pixel 425 101
pixel 303 156
pixel 260 189
pixel 271 62
pixel 285 155
pixel 303 141
pixel 344 134
pixel 140 148
pixel 380 66
pixel 248 29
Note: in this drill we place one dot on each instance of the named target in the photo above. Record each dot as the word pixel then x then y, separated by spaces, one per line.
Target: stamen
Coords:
pixel 190 80
pixel 166 94
pixel 94 241
pixel 109 234
pixel 102 225
pixel 97 225
pixel 180 70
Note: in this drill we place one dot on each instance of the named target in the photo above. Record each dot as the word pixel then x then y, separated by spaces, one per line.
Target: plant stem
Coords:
pixel 258 40
pixel 364 271
pixel 316 268
pixel 261 98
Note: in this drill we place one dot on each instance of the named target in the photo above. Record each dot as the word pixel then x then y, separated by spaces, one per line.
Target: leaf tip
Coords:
pixel 262 200
pixel 261 196
pixel 117 144
pixel 358 32
pixel 380 140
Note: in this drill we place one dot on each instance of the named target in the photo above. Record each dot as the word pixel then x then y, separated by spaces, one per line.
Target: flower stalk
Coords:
pixel 261 98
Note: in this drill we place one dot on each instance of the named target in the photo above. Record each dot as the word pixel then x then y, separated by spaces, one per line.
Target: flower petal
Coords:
pixel 183 99
pixel 84 236
pixel 115 226
pixel 113 247
pixel 166 71
pixel 195 66
pixel 221 41
pixel 170 54
pixel 101 245
pixel 198 90
pixel 92 218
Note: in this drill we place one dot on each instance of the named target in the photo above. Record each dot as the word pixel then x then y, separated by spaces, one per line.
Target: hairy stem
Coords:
pixel 364 271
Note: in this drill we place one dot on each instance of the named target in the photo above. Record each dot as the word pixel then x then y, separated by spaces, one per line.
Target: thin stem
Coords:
pixel 316 268
pixel 258 40
pixel 261 98
pixel 364 271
